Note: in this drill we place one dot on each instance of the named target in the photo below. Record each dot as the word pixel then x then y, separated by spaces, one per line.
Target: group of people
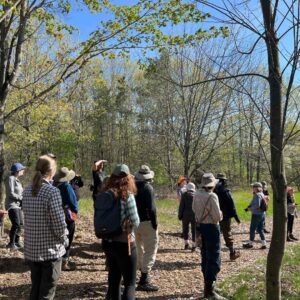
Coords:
pixel 50 208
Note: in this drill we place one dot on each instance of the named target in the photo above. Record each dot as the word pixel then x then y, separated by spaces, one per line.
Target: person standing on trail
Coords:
pixel 181 186
pixel 13 204
pixel 98 177
pixel 267 195
pixel 70 206
pixel 120 250
pixel 187 216
pixel 291 210
pixel 45 230
pixel 228 210
pixel 146 233
pixel 208 215
pixel 258 216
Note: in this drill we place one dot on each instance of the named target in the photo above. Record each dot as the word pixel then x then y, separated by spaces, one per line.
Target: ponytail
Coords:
pixel 44 167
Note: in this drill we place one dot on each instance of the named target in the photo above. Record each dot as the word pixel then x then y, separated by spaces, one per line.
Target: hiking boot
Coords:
pixel 289 239
pixel 68 266
pixel 210 293
pixel 19 245
pixel 186 247
pixel 193 249
pixel 263 247
pixel 266 231
pixel 234 255
pixel 12 246
pixel 247 246
pixel 145 284
pixel 293 237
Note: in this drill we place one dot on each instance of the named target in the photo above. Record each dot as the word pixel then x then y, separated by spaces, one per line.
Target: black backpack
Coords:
pixel 107 216
pixel 263 204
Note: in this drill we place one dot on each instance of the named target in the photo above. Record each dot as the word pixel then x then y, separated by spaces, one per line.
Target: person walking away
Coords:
pixel 76 184
pixel 208 215
pixel 181 187
pixel 120 250
pixel 228 209
pixel 13 204
pixel 267 198
pixel 258 216
pixel 70 206
pixel 187 216
pixel 98 176
pixel 45 230
pixel 146 233
pixel 291 211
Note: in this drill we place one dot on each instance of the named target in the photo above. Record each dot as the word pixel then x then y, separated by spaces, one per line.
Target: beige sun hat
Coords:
pixel 64 175
pixel 208 180
pixel 144 173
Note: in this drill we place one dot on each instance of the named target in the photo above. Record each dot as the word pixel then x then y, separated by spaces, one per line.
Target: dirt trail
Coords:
pixel 176 271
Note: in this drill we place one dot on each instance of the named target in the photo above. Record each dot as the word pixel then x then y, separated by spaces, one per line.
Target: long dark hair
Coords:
pixel 121 185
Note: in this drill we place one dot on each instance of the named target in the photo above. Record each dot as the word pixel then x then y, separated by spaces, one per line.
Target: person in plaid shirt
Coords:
pixel 120 251
pixel 45 230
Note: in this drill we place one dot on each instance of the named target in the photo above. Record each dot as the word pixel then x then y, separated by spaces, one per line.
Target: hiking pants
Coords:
pixel 120 264
pixel 210 250
pixel 225 226
pixel 16 218
pixel 44 278
pixel 71 229
pixel 146 238
pixel 257 224
pixel 185 228
pixel 290 224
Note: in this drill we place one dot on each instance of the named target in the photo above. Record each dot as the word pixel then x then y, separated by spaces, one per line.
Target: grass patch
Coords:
pixel 250 282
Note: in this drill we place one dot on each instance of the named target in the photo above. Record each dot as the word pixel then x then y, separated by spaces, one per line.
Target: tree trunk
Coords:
pixel 1 156
pixel 275 255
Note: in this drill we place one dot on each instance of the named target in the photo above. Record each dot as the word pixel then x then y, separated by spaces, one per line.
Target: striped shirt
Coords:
pixel 45 229
pixel 206 208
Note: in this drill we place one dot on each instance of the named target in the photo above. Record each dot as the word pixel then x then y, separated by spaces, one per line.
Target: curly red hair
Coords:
pixel 122 185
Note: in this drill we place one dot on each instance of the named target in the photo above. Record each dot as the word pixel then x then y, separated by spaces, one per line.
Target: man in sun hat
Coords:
pixel 70 204
pixel 228 209
pixel 146 233
pixel 208 215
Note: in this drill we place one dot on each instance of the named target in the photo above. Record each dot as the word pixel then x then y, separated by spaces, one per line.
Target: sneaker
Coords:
pixel 247 246
pixel 234 255
pixel 289 239
pixel 147 287
pixel 19 245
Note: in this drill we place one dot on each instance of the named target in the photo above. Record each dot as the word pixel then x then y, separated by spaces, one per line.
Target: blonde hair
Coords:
pixel 44 167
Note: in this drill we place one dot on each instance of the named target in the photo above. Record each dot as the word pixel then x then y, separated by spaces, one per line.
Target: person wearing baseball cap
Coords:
pixel 258 216
pixel 13 204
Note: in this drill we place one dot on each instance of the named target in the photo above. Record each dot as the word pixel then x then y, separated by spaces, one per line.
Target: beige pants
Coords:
pixel 147 243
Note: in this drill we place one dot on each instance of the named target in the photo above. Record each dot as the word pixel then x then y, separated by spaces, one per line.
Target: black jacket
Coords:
pixel 226 202
pixel 186 207
pixel 145 202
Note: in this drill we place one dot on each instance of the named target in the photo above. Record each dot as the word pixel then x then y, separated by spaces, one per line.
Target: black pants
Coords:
pixel 44 278
pixel 120 265
pixel 16 218
pixel 186 221
pixel 290 224
pixel 71 229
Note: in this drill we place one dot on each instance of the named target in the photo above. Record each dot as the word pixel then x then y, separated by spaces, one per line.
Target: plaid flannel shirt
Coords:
pixel 45 229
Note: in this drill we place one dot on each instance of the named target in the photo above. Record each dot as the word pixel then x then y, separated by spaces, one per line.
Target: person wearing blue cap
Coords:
pixel 13 204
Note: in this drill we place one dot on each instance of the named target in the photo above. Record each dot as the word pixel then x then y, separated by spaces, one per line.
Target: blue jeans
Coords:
pixel 210 250
pixel 257 224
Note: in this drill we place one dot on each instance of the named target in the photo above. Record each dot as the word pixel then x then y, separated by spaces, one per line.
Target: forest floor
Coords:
pixel 176 271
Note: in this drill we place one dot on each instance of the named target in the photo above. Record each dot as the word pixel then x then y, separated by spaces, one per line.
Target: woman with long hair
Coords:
pixel 120 250
pixel 45 230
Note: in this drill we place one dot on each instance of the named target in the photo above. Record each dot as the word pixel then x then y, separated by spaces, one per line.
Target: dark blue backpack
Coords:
pixel 107 216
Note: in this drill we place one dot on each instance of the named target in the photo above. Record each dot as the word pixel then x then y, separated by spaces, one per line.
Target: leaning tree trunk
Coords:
pixel 275 255
pixel 1 156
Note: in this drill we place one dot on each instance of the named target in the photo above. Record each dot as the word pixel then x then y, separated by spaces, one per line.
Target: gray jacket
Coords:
pixel 14 192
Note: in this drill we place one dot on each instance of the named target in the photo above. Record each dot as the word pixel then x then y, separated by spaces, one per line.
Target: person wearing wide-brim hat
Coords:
pixel 146 233
pixel 13 204
pixel 258 216
pixel 70 204
pixel 208 215
pixel 187 216
pixel 228 209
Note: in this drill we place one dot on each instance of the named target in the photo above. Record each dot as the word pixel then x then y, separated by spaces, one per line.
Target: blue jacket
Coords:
pixel 68 195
